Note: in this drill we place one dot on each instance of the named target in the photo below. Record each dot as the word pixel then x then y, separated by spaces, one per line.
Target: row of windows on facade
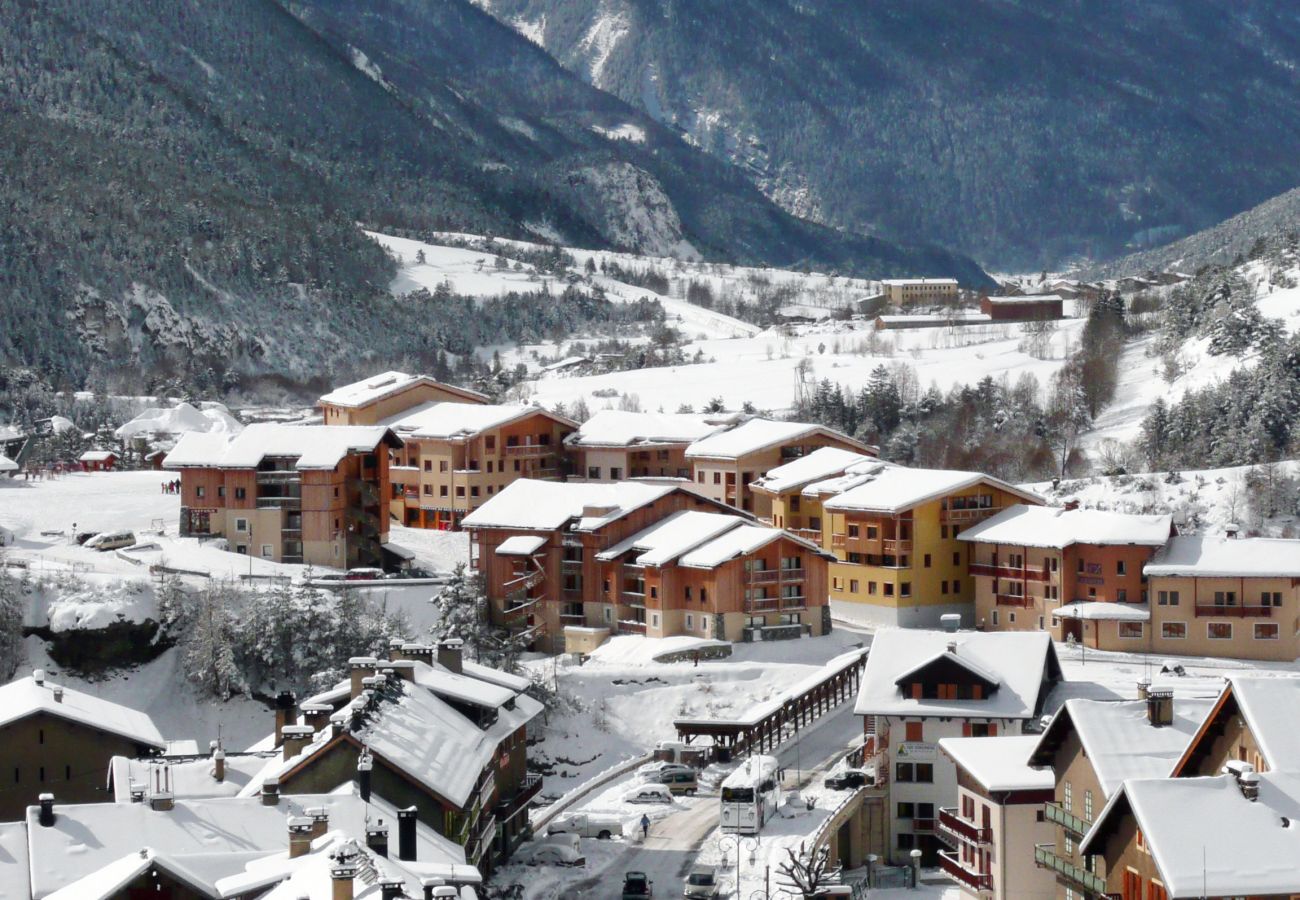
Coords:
pixel 41 775
pixel 889 561
pixel 201 491
pixel 1221 598
pixel 470 466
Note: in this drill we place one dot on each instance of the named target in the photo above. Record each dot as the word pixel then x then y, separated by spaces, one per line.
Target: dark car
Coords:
pixel 636 886
pixel 848 779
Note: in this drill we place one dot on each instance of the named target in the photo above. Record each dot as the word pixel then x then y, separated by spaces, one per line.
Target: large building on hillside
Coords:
pixel 311 494
pixel 614 445
pixel 571 563
pixel 382 396
pixel 727 464
pixel 1027 562
pixel 893 531
pixel 456 456
pixel 904 292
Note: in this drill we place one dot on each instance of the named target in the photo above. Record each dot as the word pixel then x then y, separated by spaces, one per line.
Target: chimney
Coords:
pixel 320 821
pixel 361 667
pixel 317 715
pixel 952 647
pixel 450 652
pixel 377 838
pixel 395 648
pixel 284 714
pixel 47 810
pixel 299 836
pixel 418 653
pixel 295 738
pixel 38 675
pixel 1144 688
pixel 406 834
pixel 218 762
pixel 402 668
pixel 1249 783
pixel 364 765
pixel 271 792
pixel 58 693
pixel 342 870
pixel 137 792
pixel 392 888
pixel 161 797
pixel 1160 707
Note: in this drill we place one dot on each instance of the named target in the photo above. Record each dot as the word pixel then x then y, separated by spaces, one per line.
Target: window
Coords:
pixel 1121 595
pixel 490 442
pixel 906 810
pixel 871 588
pixel 40 736
pixel 699 476
pixel 1266 631
pixel 1166 598
pixel 1120 568
pixel 943 586
pixel 1087 805
pixel 853 531
pixel 925 775
pixel 956 585
pixel 1130 630
pixel 1225 598
pixel 428 490
pixel 903 772
pixel 267 551
pixel 927 561
pixel 924 810
pixel 1219 631
pixel 490 465
pixel 443 465
pixel 853 585
pixel 704 595
pixel 1040 623
pixel 1067 796
pixel 906 840
pixel 1175 631
pixel 1054 562
pixel 241 493
pixel 889 589
pixel 717 478
pixel 654 592
pixel 460 490
pixel 1080 564
pixel 221 490
pixel 905 589
pixel 956 559
pixel 442 490
pixel 1011 618
pixel 473 491
pixel 654 620
pixel 200 491
pixel 914 731
pixel 704 624
pixel 616 473
pixel 873 532
pixel 1270 599
pixel 690 622
pixel 686 592
pixel 943 532
pixel 428 465
pixel 995 618
pixel 241 525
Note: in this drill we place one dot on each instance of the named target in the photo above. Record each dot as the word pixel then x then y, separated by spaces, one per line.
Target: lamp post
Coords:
pixel 737 843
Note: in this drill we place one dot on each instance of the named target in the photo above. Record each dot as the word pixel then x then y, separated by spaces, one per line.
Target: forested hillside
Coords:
pixel 1023 133
pixel 183 180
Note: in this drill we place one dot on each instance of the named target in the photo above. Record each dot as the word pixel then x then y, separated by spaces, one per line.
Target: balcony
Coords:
pixel 573 619
pixel 923 826
pixel 996 570
pixel 968 515
pixel 837 540
pixel 764 576
pixel 369 493
pixel 631 626
pixel 278 476
pixel 518 598
pixel 892 547
pixel 763 604
pixel 964 875
pixel 1075 876
pixel 952 824
pixel 1213 610
pixel 1024 601
pixel 528 450
pixel 808 534
pixel 279 502
pixel 1059 815
pixel 525 581
pixel 794 602
pixel 507 808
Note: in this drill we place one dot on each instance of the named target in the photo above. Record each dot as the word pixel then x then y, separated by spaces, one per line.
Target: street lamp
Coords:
pixel 737 843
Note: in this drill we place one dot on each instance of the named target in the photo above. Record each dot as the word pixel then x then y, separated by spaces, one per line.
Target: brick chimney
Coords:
pixel 320 821
pixel 377 838
pixel 402 668
pixel 361 667
pixel 219 764
pixel 450 654
pixel 285 713
pixel 343 869
pixel 1160 707
pixel 299 836
pixel 417 653
pixel 392 888
pixel 406 834
pixel 317 715
pixel 294 738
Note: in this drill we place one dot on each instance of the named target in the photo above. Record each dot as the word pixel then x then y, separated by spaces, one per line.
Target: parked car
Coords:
pixel 586 825
pixel 653 771
pixel 677 781
pixel 111 540
pixel 649 793
pixel 846 779
pixel 701 883
pixel 636 886
pixel 549 854
pixel 365 575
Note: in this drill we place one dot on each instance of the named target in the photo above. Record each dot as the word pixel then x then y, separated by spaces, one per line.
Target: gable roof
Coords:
pixel 314 446
pixel 893 489
pixel 944 664
pixel 1208 556
pixel 1206 838
pixel 760 434
pixel 1058 528
pixel 619 428
pixel 530 505
pixel 25 697
pixel 441 420
pixel 1119 739
pixel 1023 664
pixel 1000 763
pixel 370 390
pixel 1270 706
pixel 821 463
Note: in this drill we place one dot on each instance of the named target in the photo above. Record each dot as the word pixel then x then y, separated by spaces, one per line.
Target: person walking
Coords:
pixel 645 826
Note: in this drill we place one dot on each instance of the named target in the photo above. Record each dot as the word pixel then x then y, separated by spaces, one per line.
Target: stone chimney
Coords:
pixel 294 738
pixel 320 821
pixel 402 668
pixel 285 714
pixel 271 792
pixel 299 836
pixel 406 834
pixel 343 869
pixel 392 888
pixel 317 715
pixel 361 667
pixel 377 838
pixel 47 810
pixel 417 653
pixel 395 648
pixel 1160 707
pixel 450 654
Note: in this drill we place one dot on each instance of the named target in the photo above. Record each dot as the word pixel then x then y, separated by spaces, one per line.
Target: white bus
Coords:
pixel 751 795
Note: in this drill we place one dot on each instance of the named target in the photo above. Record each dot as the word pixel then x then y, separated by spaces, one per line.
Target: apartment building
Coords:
pixel 1093 747
pixel 1028 561
pixel 784 485
pixel 455 457
pixel 380 397
pixel 904 292
pixel 894 532
pixel 920 687
pixel 312 494
pixel 427 731
pixel 727 464
pixel 1252 722
pixel 997 814
pixel 1225 596
pixel 60 741
pixel 614 445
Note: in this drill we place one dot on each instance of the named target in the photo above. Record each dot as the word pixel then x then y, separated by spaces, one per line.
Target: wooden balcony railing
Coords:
pixel 951 823
pixel 893 547
pixel 528 450
pixel 963 874
pixel 837 540
pixel 996 570
pixel 1014 600
pixel 1211 610
pixel 968 515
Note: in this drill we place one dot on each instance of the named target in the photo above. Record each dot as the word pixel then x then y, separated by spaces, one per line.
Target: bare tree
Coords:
pixel 807 873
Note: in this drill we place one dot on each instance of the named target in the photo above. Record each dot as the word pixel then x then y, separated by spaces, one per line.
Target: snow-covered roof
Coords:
pixel 902 282
pixel 531 505
pixel 1271 708
pixel 1208 556
pixel 821 463
pixel 439 420
pixel 736 542
pixel 190 778
pixel 1104 611
pixel 760 434
pixel 7 464
pixel 1119 739
pixel 919 319
pixel 180 419
pixel 15 877
pixel 1207 839
pixel 204 840
pixel 520 545
pixel 385 384
pixel 1000 763
pixel 617 428
pixel 1057 527
pixel 495 676
pixel 314 446
pixel 1026 298
pixel 893 489
pixel 462 688
pixel 672 536
pixel 1022 664
pixel 25 697
pixel 97 456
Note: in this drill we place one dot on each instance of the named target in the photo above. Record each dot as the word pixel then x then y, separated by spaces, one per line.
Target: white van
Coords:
pixel 111 540
pixel 586 825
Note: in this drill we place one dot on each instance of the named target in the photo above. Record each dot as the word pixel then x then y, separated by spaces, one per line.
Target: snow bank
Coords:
pixel 180 419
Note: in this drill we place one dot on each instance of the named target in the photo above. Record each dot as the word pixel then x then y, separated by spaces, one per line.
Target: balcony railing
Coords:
pixel 1076 876
pixel 997 570
pixel 509 807
pixel 763 604
pixel 529 450
pixel 837 540
pixel 951 823
pixel 279 503
pixel 923 826
pixel 1211 610
pixel 1059 815
pixel 764 576
pixel 1021 600
pixel 526 580
pixel 894 547
pixel 573 619
pixel 278 476
pixel 630 626
pixel 963 874
pixel 969 515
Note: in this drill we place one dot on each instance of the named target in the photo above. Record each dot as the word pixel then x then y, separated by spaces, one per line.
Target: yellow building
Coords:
pixel 387 394
pixel 893 529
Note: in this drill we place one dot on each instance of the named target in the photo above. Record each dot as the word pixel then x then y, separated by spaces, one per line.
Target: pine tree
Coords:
pixel 11 625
